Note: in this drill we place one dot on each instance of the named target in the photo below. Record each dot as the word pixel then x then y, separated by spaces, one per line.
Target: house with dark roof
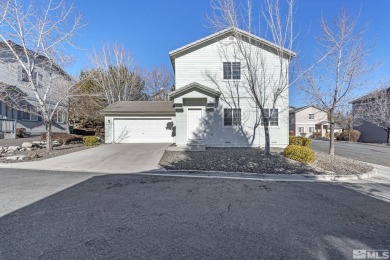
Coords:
pixel 196 115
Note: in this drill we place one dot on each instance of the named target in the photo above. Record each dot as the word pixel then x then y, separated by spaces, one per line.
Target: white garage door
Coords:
pixel 148 130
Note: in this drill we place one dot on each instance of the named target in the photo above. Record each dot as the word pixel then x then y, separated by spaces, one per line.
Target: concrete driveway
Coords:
pixel 108 158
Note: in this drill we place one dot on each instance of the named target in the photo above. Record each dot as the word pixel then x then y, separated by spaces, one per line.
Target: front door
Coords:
pixel 194 123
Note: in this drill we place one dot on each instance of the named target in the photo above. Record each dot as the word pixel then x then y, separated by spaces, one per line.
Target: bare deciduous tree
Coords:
pixel 116 75
pixel 158 83
pixel 343 53
pixel 265 85
pixel 375 109
pixel 34 38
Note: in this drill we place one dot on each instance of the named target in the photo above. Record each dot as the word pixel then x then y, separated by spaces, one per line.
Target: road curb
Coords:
pixel 301 177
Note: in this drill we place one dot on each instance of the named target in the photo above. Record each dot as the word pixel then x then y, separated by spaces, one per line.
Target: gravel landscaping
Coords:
pixel 18 141
pixel 339 165
pixel 253 160
pixel 12 150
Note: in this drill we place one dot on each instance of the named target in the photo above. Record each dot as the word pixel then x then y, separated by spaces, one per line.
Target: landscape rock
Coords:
pixel 27 145
pixel 33 155
pixel 56 143
pixel 13 148
pixel 23 157
pixel 9 152
pixel 12 158
pixel 36 143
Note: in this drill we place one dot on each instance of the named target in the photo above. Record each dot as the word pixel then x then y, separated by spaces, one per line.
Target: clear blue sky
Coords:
pixel 150 29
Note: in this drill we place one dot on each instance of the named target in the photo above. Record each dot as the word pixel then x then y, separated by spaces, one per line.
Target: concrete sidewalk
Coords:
pixel 377 186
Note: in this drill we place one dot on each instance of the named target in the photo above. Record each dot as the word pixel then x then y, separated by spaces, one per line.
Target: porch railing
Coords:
pixel 8 127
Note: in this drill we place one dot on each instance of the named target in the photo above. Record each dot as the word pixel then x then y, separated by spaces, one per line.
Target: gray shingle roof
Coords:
pixel 140 107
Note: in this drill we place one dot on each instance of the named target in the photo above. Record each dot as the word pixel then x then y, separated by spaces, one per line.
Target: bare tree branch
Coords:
pixel 34 38
pixel 340 69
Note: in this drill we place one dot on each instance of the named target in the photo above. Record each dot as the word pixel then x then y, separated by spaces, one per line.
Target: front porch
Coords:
pixel 321 129
pixel 194 105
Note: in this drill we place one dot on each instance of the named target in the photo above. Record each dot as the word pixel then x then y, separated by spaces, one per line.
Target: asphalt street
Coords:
pixel 364 152
pixel 155 217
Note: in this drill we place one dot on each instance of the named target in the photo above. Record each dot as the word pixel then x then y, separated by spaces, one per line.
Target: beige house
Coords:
pixel 308 120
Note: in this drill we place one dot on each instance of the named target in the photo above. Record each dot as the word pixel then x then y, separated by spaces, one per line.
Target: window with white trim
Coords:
pixel 38 78
pixel 311 116
pixel 301 129
pixel 59 117
pixel 232 70
pixel 272 115
pixel 22 74
pixel 311 129
pixel 232 116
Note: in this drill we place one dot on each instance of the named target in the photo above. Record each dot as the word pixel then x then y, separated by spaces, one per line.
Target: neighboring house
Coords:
pixel 18 105
pixel 196 115
pixel 307 120
pixel 374 129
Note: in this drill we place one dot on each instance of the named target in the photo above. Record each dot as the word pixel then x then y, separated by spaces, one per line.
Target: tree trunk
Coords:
pixel 331 135
pixel 388 136
pixel 267 149
pixel 49 145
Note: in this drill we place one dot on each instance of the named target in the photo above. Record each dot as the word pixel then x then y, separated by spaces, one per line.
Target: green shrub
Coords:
pixel 299 153
pixel 90 140
pixel 299 140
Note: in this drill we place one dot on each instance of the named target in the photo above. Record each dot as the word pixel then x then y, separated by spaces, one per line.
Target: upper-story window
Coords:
pixel 232 70
pixel 38 78
pixel 311 116
pixel 22 74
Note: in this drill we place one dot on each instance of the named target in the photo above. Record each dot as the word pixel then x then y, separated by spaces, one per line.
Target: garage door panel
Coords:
pixel 151 130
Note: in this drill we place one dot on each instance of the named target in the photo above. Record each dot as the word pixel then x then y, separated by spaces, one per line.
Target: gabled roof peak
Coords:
pixel 227 31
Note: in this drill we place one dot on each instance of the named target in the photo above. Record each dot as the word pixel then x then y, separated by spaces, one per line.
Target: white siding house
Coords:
pixel 202 117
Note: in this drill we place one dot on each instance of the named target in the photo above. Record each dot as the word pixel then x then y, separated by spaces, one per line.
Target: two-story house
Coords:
pixel 18 104
pixel 196 114
pixel 308 120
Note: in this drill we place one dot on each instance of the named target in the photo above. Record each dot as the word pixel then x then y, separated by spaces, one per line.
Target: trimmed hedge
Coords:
pixel 299 140
pixel 299 153
pixel 90 140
